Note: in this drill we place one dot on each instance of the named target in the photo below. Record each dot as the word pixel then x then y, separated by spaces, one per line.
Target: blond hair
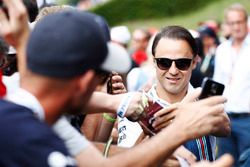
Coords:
pixel 236 7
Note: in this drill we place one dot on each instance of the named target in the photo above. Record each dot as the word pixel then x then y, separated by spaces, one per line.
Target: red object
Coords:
pixel 139 57
pixel 2 86
pixel 149 119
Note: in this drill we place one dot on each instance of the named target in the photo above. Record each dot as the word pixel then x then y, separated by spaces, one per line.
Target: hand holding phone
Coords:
pixel 211 88
pixel 149 119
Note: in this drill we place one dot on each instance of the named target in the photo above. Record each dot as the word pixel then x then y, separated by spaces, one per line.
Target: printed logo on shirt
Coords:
pixel 57 159
pixel 122 135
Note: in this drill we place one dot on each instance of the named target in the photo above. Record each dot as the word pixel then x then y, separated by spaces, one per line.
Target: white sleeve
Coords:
pixel 128 132
pixel 74 140
pixel 217 71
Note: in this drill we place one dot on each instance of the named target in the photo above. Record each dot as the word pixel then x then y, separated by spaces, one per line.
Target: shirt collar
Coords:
pixel 245 42
pixel 25 98
pixel 153 94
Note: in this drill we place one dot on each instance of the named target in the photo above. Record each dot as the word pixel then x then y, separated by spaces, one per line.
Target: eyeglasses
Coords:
pixel 238 22
pixel 165 63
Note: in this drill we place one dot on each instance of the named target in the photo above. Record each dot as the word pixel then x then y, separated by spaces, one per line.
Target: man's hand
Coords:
pixel 165 116
pixel 186 154
pixel 202 117
pixel 171 162
pixel 116 84
pixel 223 129
pixel 136 107
pixel 16 28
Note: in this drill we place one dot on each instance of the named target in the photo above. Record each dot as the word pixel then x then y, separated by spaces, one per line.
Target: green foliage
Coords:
pixel 117 11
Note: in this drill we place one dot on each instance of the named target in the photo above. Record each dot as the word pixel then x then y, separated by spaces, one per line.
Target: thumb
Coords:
pixel 190 97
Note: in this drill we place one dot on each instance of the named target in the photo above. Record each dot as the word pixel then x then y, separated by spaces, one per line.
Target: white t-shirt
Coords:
pixel 233 70
pixel 129 131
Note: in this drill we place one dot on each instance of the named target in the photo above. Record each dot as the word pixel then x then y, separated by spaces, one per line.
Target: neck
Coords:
pixel 170 97
pixel 52 99
pixel 52 104
pixel 237 43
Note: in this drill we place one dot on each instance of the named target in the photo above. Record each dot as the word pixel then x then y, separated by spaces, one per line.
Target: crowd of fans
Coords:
pixel 76 92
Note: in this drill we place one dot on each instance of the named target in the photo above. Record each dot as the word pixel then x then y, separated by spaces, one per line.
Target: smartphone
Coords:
pixel 211 88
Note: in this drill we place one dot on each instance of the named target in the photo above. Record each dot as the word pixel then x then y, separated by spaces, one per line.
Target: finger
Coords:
pixel 4 24
pixel 116 78
pixel 3 17
pixel 172 161
pixel 10 6
pixel 162 125
pixel 186 154
pixel 118 85
pixel 14 5
pixel 166 119
pixel 192 96
pixel 213 100
pixel 164 111
pixel 16 9
pixel 146 130
pixel 119 91
pixel 225 161
pixel 215 110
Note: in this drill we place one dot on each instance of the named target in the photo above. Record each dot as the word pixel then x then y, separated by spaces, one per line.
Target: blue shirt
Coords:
pixel 27 141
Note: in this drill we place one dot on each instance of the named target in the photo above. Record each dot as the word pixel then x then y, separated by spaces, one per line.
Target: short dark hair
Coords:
pixel 175 32
pixel 4 47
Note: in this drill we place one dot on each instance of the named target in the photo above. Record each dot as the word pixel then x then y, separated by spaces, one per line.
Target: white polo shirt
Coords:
pixel 233 70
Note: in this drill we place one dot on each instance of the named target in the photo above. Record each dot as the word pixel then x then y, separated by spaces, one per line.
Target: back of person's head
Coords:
pixel 32 8
pixel 207 31
pixel 142 32
pixel 236 7
pixel 176 33
pixel 69 43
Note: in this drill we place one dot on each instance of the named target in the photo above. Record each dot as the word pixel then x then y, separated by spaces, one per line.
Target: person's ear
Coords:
pixel 195 61
pixel 86 80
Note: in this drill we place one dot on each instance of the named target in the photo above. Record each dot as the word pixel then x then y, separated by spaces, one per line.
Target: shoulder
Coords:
pixel 24 136
pixel 224 46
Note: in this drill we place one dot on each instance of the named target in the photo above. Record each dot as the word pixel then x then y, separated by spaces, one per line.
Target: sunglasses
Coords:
pixel 165 63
